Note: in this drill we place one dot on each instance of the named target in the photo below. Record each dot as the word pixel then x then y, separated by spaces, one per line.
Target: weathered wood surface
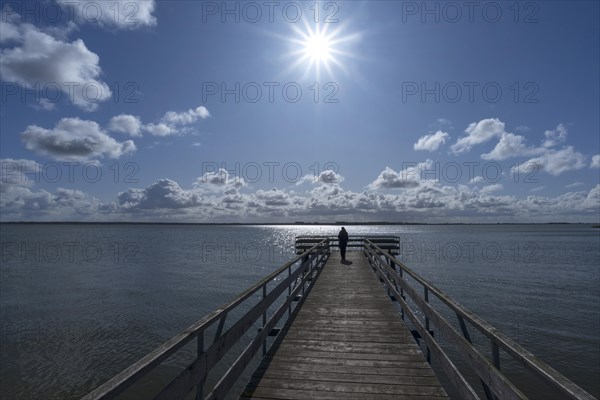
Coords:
pixel 347 342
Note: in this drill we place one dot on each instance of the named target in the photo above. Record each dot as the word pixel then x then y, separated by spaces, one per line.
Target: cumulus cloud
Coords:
pixel 390 179
pixel 477 133
pixel 595 161
pixel 555 136
pixel 165 199
pixel 73 139
pixel 411 176
pixel 185 117
pixel 476 179
pixel 554 162
pixel 21 203
pixel 325 177
pixel 41 61
pixel 592 200
pixel 159 129
pixel 128 124
pixel 431 142
pixel 173 123
pixel 492 188
pixel 163 194
pixel 219 180
pixel 330 176
pixel 273 197
pixel 511 145
pixel 549 159
pixel 119 14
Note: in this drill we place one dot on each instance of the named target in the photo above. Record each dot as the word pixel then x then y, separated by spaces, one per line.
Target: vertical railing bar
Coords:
pixel 200 352
pixel 465 332
pixel 264 319
pixel 290 292
pixel 463 328
pixel 426 295
pixel 401 291
pixel 220 328
pixel 387 284
pixel 496 354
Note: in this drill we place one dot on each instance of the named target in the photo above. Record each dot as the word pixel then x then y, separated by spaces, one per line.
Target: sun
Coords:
pixel 317 48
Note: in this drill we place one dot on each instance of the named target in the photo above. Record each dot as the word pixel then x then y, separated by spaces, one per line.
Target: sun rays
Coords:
pixel 317 48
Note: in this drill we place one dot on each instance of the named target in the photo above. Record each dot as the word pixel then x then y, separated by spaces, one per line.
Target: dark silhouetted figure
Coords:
pixel 343 242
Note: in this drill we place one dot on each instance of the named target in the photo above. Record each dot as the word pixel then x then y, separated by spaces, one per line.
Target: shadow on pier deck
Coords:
pixel 319 329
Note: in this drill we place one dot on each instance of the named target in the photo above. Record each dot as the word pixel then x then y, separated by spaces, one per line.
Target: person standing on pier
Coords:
pixel 343 242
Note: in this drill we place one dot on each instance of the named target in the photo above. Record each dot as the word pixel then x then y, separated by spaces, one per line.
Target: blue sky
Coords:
pixel 287 111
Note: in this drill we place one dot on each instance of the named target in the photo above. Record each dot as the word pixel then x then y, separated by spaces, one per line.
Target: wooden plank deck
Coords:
pixel 346 342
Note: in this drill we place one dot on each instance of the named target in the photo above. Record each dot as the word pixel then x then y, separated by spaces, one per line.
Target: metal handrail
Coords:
pixel 387 242
pixel 488 371
pixel 194 375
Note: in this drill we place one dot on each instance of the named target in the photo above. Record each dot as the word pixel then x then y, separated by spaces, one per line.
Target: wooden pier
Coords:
pixel 347 342
pixel 319 328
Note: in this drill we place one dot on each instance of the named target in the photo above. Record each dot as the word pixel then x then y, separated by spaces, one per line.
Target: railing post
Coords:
pixel 388 284
pixel 290 292
pixel 465 332
pixel 401 292
pixel 426 295
pixel 496 354
pixel 264 320
pixel 200 352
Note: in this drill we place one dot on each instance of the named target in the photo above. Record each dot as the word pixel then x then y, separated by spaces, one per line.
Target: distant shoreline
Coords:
pixel 337 223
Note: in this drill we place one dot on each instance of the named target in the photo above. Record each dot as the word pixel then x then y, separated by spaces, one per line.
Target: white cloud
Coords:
pixel 325 177
pixel 73 139
pixel 477 133
pixel 476 180
pixel 329 176
pixel 163 194
pixel 21 203
pixel 166 200
pixel 390 179
pixel 537 189
pixel 124 123
pixel 554 162
pixel 595 161
pixel 40 61
pixel 574 184
pixel 120 14
pixel 186 117
pixel 431 142
pixel 511 145
pixel 218 181
pixel 555 137
pixel 159 129
pixel 592 200
pixel 174 123
pixel 492 188
pixel 273 197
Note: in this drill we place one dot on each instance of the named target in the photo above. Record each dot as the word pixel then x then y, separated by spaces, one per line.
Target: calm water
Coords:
pixel 79 303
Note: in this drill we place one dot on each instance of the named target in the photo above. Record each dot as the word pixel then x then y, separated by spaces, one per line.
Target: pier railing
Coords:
pixel 495 384
pixel 386 242
pixel 296 277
